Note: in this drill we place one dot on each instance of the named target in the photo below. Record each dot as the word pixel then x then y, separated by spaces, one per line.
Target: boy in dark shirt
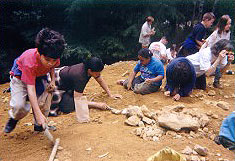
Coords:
pixel 195 39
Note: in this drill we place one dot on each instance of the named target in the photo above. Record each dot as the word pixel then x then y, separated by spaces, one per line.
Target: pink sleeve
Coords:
pixel 28 76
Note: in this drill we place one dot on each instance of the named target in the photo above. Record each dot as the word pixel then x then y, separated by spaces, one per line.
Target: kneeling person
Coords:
pixel 151 74
pixel 71 82
pixel 180 77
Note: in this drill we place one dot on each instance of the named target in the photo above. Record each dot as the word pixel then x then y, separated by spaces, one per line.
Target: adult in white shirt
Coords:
pixel 159 49
pixel 146 32
pixel 206 60
pixel 222 32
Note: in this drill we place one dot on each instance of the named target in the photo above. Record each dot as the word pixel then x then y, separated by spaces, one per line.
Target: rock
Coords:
pixel 223 105
pixel 60 148
pixel 28 124
pixel 141 124
pixel 209 113
pixel 155 138
pixel 214 116
pixel 178 121
pixel 133 121
pixel 138 131
pixel 147 120
pixel 203 120
pixel 192 134
pixel 52 123
pixel 201 150
pixel 146 111
pixel 176 108
pixel 171 133
pixel 134 110
pixel 194 158
pixel 211 93
pixel 233 95
pixel 218 154
pixel 116 111
pixel 187 150
pixel 205 129
pixel 212 136
pixel 226 96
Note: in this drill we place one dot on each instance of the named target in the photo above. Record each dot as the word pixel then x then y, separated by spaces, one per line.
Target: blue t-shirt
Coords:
pixel 153 69
pixel 184 88
pixel 227 128
pixel 199 31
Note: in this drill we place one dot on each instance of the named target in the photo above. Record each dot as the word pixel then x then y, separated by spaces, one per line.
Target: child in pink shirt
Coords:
pixel 27 69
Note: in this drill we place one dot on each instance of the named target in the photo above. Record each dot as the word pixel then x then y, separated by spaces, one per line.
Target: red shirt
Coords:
pixel 30 65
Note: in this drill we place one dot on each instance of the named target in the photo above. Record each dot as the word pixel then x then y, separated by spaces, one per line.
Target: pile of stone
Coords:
pixel 154 124
pixel 198 153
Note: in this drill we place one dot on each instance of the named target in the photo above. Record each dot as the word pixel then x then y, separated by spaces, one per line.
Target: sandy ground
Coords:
pixel 107 133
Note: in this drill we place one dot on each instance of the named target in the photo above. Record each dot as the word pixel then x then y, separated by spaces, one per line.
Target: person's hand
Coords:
pixel 167 93
pixel 51 86
pixel 148 81
pixel 100 105
pixel 116 96
pixel 176 97
pixel 230 56
pixel 40 119
pixel 129 85
pixel 222 54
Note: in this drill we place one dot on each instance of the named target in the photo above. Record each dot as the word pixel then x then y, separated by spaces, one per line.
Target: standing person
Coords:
pixel 71 82
pixel 151 74
pixel 195 39
pixel 32 64
pixel 159 49
pixel 180 77
pixel 206 60
pixel 222 31
pixel 146 32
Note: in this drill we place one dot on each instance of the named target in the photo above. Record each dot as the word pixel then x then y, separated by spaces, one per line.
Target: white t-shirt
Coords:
pixel 146 29
pixel 168 54
pixel 203 60
pixel 158 49
pixel 214 38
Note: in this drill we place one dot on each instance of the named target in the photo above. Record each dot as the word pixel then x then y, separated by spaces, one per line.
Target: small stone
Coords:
pixel 209 113
pixel 155 138
pixel 60 148
pixel 147 120
pixel 223 105
pixel 226 96
pixel 56 159
pixel 211 93
pixel 214 116
pixel 133 121
pixel 116 111
pixel 218 154
pixel 28 124
pixel 88 149
pixel 212 136
pixel 141 124
pixel 205 129
pixel 187 150
pixel 201 150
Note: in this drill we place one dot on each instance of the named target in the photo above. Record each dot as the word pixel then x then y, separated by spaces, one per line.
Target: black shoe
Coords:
pixel 38 128
pixel 11 124
pixel 53 114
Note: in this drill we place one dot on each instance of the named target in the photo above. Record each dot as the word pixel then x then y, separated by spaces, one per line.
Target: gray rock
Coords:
pixel 187 150
pixel 178 121
pixel 133 121
pixel 147 120
pixel 211 93
pixel 223 105
pixel 201 150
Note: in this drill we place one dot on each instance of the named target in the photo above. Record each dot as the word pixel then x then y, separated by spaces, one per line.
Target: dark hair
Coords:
pixel 208 16
pixel 222 44
pixel 181 73
pixel 145 53
pixel 95 64
pixel 173 47
pixel 222 23
pixel 50 43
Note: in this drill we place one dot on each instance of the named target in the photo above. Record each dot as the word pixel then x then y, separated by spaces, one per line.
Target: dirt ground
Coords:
pixel 107 133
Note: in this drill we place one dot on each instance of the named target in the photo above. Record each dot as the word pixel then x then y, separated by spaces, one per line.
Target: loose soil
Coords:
pixel 107 133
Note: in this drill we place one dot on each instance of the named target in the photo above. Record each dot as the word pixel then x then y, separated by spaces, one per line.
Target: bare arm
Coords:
pixel 102 83
pixel 51 86
pixel 156 79
pixel 40 118
pixel 130 79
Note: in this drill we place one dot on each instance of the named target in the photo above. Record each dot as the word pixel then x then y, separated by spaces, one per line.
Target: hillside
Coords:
pixel 107 133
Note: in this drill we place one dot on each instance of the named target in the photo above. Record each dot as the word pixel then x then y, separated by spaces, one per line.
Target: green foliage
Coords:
pixel 110 48
pixel 73 55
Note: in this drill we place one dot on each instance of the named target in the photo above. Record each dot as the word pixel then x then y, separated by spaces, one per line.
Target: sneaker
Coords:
pixel 217 85
pixel 10 126
pixel 53 114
